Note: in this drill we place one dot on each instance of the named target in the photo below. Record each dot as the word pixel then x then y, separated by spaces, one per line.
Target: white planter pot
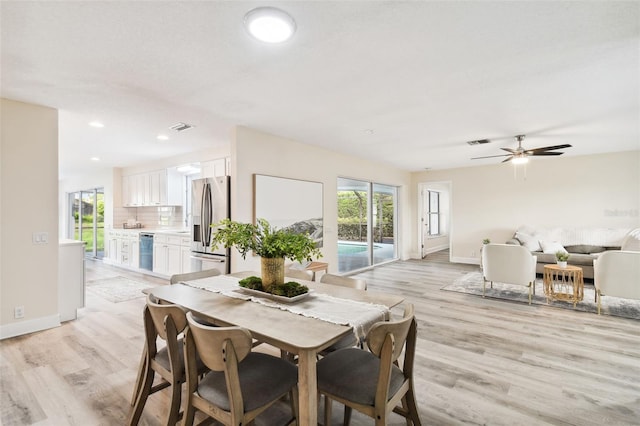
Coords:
pixel 562 264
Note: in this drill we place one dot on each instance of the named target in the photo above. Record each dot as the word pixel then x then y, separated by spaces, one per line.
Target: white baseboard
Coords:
pixel 437 248
pixel 468 260
pixel 29 326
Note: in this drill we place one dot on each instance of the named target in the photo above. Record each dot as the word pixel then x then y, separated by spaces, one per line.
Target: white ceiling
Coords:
pixel 424 77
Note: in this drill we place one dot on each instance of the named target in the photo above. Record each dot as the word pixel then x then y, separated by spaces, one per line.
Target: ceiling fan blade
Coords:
pixel 492 156
pixel 538 154
pixel 513 151
pixel 506 160
pixel 548 148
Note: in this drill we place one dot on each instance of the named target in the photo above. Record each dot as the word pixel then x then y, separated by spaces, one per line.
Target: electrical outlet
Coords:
pixel 18 312
pixel 473 254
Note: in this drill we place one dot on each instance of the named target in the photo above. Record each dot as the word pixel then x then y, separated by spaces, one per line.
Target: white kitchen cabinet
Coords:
pixel 134 252
pixel 113 247
pixel 160 254
pixel 185 253
pixel 171 253
pixel 214 168
pixel 122 247
pixel 71 278
pixel 174 259
pixel 158 188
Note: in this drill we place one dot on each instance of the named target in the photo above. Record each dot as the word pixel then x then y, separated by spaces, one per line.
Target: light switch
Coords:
pixel 40 237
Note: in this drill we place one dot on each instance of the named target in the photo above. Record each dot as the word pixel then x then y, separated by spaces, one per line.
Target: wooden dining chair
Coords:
pixel 166 322
pixel 188 276
pixel 301 274
pixel 356 283
pixel 241 384
pixel 373 382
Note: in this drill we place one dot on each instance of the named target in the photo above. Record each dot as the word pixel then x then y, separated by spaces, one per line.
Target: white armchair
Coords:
pixel 617 274
pixel 508 263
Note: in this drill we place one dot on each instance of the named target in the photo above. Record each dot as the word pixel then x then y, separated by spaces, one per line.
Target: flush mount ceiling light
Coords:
pixel 269 24
pixel 162 137
pixel 96 124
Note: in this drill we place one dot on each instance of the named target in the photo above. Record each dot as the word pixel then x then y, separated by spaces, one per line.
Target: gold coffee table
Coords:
pixel 563 283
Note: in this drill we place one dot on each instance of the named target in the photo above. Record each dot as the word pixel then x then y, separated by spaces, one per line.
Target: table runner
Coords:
pixel 359 315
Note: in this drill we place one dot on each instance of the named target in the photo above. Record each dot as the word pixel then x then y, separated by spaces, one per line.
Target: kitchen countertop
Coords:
pixel 131 231
pixel 68 242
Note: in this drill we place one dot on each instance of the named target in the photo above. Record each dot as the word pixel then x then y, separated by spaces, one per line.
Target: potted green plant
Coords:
pixel 561 258
pixel 271 244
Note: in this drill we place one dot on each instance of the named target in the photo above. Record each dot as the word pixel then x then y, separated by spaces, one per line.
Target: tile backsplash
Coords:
pixel 150 217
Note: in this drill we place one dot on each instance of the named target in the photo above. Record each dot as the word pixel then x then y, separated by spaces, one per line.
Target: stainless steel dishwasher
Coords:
pixel 146 251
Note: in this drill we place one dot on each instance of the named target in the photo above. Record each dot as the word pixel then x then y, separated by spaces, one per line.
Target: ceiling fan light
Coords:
pixel 520 159
pixel 269 24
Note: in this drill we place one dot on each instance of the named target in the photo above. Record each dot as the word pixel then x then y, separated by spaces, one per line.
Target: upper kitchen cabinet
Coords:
pixel 157 188
pixel 215 168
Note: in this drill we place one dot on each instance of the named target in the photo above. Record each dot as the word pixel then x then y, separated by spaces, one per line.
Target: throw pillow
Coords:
pixel 529 241
pixel 551 247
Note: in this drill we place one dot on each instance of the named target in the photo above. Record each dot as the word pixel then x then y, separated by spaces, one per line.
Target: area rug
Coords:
pixel 471 283
pixel 117 289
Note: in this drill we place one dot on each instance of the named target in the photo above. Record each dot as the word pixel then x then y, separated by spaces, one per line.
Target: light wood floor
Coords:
pixel 479 361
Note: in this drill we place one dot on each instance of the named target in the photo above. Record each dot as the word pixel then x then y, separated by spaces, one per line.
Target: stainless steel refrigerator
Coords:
pixel 209 204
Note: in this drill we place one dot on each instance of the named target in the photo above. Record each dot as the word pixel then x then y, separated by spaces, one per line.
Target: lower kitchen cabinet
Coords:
pixel 169 254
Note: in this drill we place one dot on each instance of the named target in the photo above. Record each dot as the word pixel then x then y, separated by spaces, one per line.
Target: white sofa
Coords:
pixel 583 244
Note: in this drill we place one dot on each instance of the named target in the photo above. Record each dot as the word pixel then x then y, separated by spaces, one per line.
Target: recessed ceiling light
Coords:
pixel 269 24
pixel 162 137
pixel 96 124
pixel 368 131
pixel 95 158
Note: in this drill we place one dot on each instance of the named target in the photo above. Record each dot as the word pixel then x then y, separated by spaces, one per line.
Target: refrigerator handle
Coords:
pixel 203 217
pixel 209 215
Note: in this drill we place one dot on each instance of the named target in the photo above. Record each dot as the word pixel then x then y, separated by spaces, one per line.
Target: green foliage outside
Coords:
pixel 87 226
pixel 352 216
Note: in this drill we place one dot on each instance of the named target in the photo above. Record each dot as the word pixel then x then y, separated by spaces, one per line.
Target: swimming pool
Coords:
pixel 353 248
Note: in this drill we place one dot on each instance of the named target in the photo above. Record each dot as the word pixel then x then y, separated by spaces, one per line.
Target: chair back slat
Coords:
pixel 188 276
pixel 211 341
pixel 159 312
pixel 356 283
pixel 399 329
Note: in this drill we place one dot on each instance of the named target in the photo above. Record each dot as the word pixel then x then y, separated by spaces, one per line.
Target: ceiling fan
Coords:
pixel 521 155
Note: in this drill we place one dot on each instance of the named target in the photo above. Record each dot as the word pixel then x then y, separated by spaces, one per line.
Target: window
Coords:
pixel 366 224
pixel 86 220
pixel 434 213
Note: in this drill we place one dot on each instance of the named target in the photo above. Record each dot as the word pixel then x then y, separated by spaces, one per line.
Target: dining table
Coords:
pixel 288 328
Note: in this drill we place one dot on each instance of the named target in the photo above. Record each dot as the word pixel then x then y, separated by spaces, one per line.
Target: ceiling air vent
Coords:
pixel 479 142
pixel 179 127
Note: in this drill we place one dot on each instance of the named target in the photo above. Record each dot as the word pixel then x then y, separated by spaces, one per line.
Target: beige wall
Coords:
pixel 490 202
pixel 29 204
pixel 256 152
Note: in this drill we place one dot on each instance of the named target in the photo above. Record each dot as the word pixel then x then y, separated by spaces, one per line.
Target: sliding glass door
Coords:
pixel 87 220
pixel 366 224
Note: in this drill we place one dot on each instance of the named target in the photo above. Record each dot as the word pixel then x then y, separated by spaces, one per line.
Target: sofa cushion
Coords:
pixel 551 247
pixel 574 258
pixel 585 249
